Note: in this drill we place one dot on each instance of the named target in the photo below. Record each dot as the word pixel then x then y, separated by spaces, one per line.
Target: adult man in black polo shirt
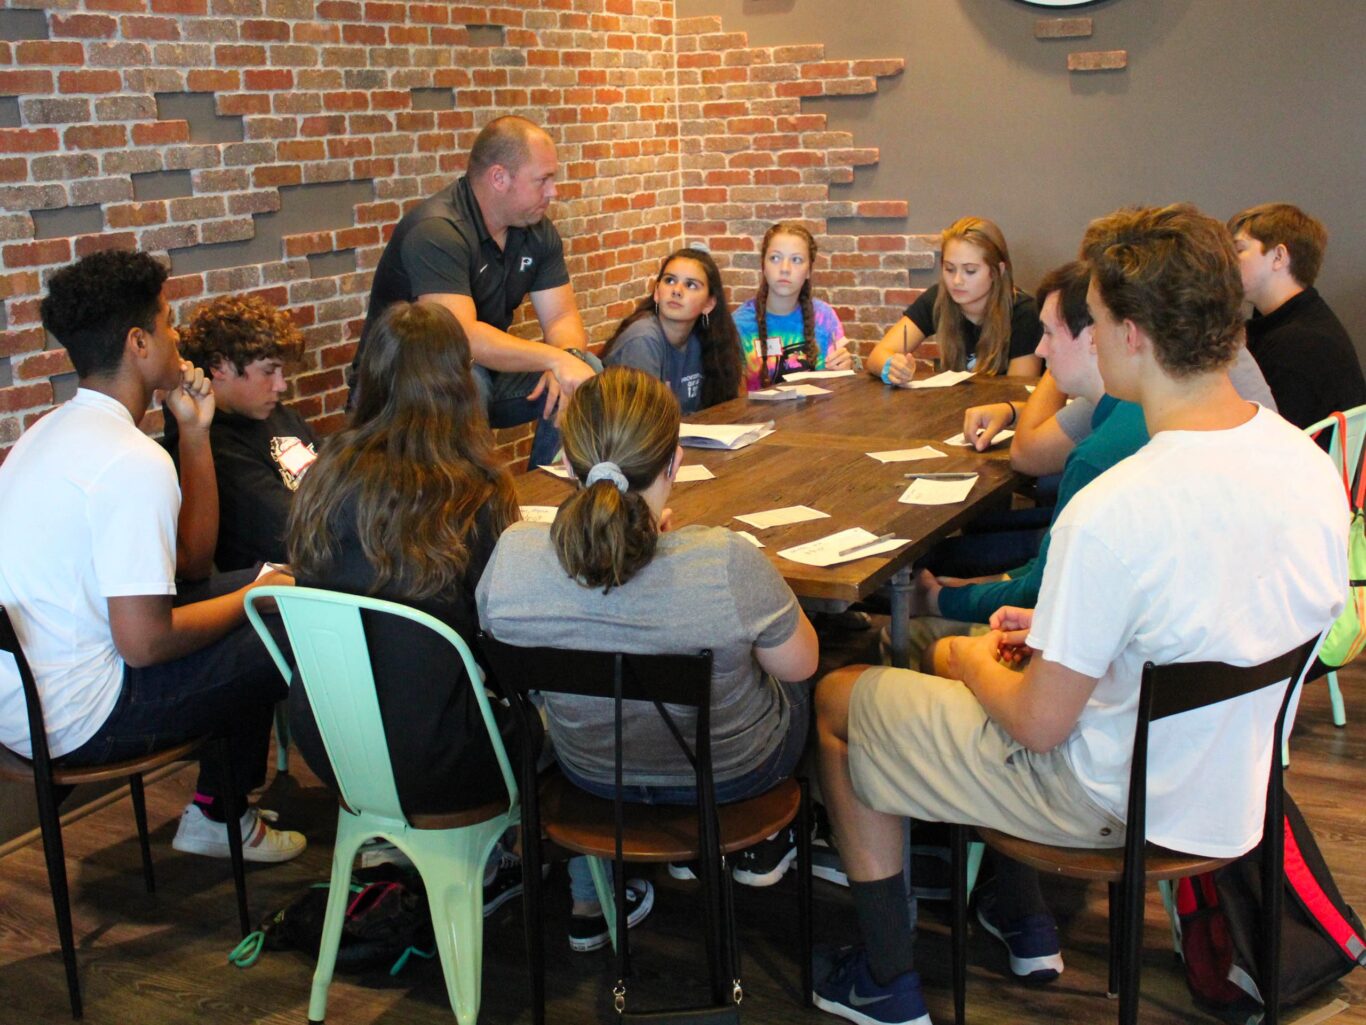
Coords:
pixel 479 247
pixel 1299 343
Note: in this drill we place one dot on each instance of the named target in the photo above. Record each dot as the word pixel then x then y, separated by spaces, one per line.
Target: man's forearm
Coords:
pixel 498 350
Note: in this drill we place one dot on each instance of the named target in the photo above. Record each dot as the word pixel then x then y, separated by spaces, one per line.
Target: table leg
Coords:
pixel 900 630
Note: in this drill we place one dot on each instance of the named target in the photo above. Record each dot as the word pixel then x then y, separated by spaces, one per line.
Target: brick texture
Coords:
pixel 668 130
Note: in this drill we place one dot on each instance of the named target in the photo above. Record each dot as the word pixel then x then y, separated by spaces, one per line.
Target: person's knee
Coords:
pixel 833 694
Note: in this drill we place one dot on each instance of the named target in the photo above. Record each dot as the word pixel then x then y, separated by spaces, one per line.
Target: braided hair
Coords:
pixel 811 351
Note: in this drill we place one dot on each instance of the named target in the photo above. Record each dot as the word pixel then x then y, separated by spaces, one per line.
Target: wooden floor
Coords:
pixel 162 958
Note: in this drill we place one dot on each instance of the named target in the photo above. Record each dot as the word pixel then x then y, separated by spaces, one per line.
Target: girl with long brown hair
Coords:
pixel 976 315
pixel 783 328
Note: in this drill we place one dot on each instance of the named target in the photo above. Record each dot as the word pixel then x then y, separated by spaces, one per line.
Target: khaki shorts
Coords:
pixel 924 747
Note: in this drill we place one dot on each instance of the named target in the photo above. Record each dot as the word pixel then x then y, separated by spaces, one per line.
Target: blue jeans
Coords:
pixel 505 398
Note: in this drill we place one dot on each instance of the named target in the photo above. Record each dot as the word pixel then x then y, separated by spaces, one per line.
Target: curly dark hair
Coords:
pixel 239 329
pixel 92 305
pixel 1174 273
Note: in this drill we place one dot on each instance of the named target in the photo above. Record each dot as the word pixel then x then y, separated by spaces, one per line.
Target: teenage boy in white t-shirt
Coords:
pixel 1223 539
pixel 89 508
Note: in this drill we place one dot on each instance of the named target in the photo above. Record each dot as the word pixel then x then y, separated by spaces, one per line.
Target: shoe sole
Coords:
pixel 258 855
pixel 587 944
pixel 491 906
pixel 682 873
pixel 768 878
pixel 848 1013
pixel 1032 970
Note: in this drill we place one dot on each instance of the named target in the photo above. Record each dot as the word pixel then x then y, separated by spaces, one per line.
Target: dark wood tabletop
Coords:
pixel 816 458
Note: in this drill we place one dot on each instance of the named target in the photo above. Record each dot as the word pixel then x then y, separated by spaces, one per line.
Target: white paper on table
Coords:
pixel 727 436
pixel 963 442
pixel 817 375
pixel 556 470
pixel 692 472
pixel 782 517
pixel 804 390
pixel 904 455
pixel 945 380
pixel 825 551
pixel 937 492
pixel 539 513
pixel 787 393
pixel 751 538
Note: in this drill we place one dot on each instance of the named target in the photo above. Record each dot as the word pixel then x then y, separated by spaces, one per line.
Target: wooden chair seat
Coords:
pixel 1104 864
pixel 580 822
pixel 20 769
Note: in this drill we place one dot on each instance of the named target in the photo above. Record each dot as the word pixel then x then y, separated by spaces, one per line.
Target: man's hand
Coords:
pixel 971 657
pixel 1013 625
pixel 840 359
pixel 899 370
pixel 981 424
pixel 559 383
pixel 192 401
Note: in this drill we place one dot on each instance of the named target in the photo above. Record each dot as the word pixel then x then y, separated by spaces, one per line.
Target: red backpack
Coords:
pixel 1321 936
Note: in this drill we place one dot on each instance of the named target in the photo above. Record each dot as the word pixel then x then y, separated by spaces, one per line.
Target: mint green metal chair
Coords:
pixel 449 851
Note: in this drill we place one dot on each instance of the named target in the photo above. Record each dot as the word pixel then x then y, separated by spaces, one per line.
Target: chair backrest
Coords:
pixel 327 635
pixel 37 728
pixel 1181 687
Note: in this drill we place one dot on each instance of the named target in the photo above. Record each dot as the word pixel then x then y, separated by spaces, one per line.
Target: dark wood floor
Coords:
pixel 162 959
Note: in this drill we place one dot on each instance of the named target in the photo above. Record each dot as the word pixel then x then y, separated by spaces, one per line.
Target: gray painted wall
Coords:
pixel 1225 103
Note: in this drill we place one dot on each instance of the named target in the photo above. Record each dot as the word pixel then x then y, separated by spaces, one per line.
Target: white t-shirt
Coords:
pixel 1226 546
pixel 88 509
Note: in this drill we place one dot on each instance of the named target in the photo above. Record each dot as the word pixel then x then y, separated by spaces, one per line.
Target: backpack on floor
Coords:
pixel 1347 636
pixel 1321 936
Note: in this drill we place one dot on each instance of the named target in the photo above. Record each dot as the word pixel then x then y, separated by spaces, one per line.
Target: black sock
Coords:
pixel 885 920
pixel 1017 890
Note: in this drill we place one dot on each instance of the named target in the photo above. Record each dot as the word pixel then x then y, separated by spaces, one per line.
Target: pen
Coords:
pixel 940 476
pixel 865 544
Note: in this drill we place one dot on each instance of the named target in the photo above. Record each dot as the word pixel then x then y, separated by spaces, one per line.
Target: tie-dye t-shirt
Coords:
pixel 786 334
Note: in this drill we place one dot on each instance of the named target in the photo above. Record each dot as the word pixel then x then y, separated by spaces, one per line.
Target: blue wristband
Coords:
pixel 887 371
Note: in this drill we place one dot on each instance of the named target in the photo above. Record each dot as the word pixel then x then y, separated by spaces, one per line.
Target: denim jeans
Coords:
pixel 505 398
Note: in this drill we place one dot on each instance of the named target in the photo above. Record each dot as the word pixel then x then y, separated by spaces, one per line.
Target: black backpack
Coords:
pixel 1321 936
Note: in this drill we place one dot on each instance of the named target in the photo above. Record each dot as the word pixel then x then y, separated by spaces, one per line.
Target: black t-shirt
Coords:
pixel 441 754
pixel 442 246
pixel 1307 358
pixel 1025 329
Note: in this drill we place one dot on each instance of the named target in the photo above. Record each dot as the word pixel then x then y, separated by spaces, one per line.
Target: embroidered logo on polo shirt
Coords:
pixel 293 458
pixel 526 262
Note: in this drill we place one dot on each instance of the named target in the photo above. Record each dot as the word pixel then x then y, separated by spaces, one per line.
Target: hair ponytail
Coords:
pixel 603 536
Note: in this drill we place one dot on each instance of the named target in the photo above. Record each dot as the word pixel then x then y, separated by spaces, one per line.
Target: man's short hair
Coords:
pixel 504 141
pixel 239 329
pixel 91 306
pixel 1070 282
pixel 1173 272
pixel 1282 224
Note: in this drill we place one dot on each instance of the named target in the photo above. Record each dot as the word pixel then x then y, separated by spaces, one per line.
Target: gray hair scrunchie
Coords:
pixel 606 470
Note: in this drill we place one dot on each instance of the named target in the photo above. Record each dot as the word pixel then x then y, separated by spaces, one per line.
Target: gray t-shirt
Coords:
pixel 1075 417
pixel 705 588
pixel 643 346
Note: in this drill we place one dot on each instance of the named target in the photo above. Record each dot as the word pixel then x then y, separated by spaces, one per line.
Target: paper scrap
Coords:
pixel 904 455
pixel 937 492
pixel 817 375
pixel 556 470
pixel 825 551
pixel 945 380
pixel 751 538
pixel 727 436
pixel 692 472
pixel 539 513
pixel 784 392
pixel 782 517
pixel 962 442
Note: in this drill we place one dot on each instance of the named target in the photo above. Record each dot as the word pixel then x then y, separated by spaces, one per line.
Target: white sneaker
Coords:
pixel 199 834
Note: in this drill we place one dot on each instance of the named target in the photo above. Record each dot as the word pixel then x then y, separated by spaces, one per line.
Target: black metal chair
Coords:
pixel 1165 691
pixel 584 824
pixel 53 784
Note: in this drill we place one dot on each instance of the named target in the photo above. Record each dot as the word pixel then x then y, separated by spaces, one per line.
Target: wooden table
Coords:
pixel 816 458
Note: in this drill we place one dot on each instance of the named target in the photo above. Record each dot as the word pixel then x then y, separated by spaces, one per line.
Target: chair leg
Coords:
pixel 140 816
pixel 1335 699
pixel 1131 947
pixel 233 814
pixel 1116 924
pixel 532 856
pixel 451 863
pixel 602 882
pixel 958 848
pixel 54 853
pixel 282 736
pixel 804 889
pixel 976 849
pixel 1167 887
pixel 350 835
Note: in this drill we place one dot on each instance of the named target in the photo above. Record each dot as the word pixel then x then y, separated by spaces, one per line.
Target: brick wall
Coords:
pixel 269 146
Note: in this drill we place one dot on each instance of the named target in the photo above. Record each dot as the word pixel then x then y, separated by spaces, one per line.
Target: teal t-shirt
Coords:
pixel 1118 430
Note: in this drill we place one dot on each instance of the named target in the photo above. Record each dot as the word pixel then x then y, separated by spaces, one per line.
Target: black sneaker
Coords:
pixel 502 880
pixel 1031 941
pixel 684 870
pixel 589 932
pixel 767 861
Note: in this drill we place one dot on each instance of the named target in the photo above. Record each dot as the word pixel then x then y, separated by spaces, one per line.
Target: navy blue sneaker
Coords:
pixel 849 992
pixel 1035 955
